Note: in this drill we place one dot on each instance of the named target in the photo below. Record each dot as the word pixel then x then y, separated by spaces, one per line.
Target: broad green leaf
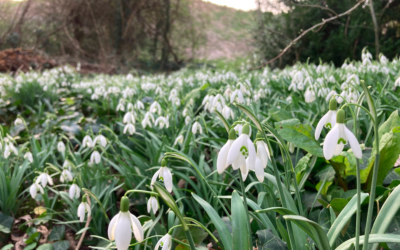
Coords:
pixel 389 147
pixel 45 247
pixel 6 223
pixel 225 235
pixel 343 218
pixel 240 228
pixel 61 245
pixel 324 189
pixel 373 238
pixel 31 246
pixel 268 241
pixel 8 247
pixel 386 214
pixel 57 233
pixel 313 229
pixel 300 135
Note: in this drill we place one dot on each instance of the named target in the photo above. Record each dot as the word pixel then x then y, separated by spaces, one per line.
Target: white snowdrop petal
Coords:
pixel 123 231
pixel 330 142
pixel 223 156
pixel 320 125
pixel 33 191
pixel 355 146
pixel 259 170
pixel 137 228
pixel 234 152
pixel 111 227
pixel 167 179
pixel 155 176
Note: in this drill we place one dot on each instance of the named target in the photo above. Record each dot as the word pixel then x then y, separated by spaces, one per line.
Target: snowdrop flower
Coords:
pixel 66 175
pixel 28 155
pixel 163 174
pixel 352 96
pixel 147 120
pixel 238 128
pixel 397 82
pixel 122 225
pixel 237 96
pixel 309 95
pixel 227 92
pixel 227 112
pixel 161 122
pixel 101 140
pixel 44 178
pixel 129 118
pixel 383 59
pixel 328 120
pixel 293 87
pixel 262 158
pixel 330 95
pixel 165 242
pixel 95 157
pixel 222 159
pixel 120 107
pixel 338 137
pixel 152 204
pixel 34 189
pixel 197 128
pixel 242 153
pixel 18 121
pixel 74 191
pixel 139 105
pixel 129 128
pixel 179 140
pixel 87 142
pixel 61 147
pixel 155 108
pixel 187 120
pixel 289 99
pixel 185 112
pixel 218 102
pixel 83 208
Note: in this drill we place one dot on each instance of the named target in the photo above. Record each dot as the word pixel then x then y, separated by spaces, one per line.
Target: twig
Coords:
pixel 306 31
pixel 97 32
pixel 89 218
pixel 317 6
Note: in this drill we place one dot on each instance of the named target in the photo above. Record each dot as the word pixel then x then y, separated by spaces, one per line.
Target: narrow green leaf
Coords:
pixel 226 125
pixel 343 218
pixel 225 235
pixel 239 223
pixel 315 231
pixel 373 238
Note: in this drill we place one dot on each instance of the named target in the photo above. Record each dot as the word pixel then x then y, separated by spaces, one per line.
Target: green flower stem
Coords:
pixel 247 209
pixel 198 224
pixel 140 191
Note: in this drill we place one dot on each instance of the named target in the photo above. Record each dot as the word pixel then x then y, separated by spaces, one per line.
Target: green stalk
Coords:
pixel 189 238
pixel 247 209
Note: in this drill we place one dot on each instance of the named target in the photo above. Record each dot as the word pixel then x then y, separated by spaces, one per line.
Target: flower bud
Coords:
pixel 340 116
pixel 333 104
pixel 124 207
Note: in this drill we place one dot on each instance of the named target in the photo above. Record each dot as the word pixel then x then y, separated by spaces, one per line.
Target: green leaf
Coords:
pixel 6 223
pixel 57 233
pixel 386 214
pixel 369 100
pixel 373 238
pixel 225 235
pixel 343 218
pixel 31 246
pixel 61 245
pixel 325 188
pixel 396 130
pixel 240 231
pixel 205 86
pixel 8 247
pixel 313 229
pixel 45 247
pixel 268 241
pixel 300 135
pixel 389 147
pixel 222 118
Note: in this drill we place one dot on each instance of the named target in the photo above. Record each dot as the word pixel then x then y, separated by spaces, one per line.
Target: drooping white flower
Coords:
pixel 87 142
pixel 289 99
pixel 74 191
pixel 44 178
pixel 383 59
pixel 28 155
pixel 197 128
pixel 120 107
pixel 165 175
pixel 238 128
pixel 95 157
pixel 179 140
pixel 222 159
pixel 34 189
pixel 187 120
pixel 328 120
pixel 139 105
pixel 309 95
pixel 18 121
pixel 397 82
pixel 165 242
pixel 262 158
pixel 101 140
pixel 129 128
pixel 227 112
pixel 83 209
pixel 122 225
pixel 161 122
pixel 242 153
pixel 237 96
pixel 148 120
pixel 152 204
pixel 66 175
pixel 330 95
pixel 129 118
pixel 338 137
pixel 155 108
pixel 61 146
pixel 218 102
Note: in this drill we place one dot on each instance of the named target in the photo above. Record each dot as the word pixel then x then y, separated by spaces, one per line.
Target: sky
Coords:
pixel 237 4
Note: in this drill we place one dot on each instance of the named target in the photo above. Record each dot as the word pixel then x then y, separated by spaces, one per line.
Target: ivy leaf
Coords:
pixel 57 233
pixel 6 223
pixel 300 135
pixel 61 245
pixel 268 241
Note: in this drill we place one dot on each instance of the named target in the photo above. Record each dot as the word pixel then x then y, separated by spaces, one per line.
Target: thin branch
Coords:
pixel 317 6
pixel 308 30
pixel 89 218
